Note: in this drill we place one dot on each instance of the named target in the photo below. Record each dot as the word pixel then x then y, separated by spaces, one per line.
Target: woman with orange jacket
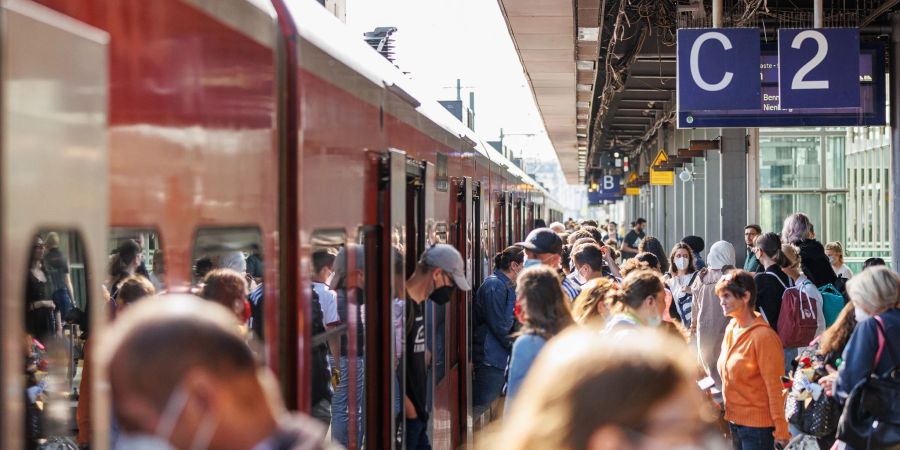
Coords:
pixel 751 365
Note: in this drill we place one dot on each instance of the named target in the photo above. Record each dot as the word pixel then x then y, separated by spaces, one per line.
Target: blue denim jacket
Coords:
pixel 525 350
pixel 494 318
pixel 859 354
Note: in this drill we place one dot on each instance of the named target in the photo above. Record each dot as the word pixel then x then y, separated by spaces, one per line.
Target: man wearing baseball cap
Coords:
pixel 439 272
pixel 542 246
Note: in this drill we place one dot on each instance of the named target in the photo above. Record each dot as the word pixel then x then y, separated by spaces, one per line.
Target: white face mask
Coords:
pixel 580 278
pixel 832 260
pixel 532 262
pixel 681 263
pixel 860 314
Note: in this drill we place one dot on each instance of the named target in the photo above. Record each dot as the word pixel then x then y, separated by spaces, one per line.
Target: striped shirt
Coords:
pixel 571 286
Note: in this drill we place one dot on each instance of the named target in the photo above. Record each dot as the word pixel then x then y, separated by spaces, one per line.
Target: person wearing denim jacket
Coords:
pixel 494 317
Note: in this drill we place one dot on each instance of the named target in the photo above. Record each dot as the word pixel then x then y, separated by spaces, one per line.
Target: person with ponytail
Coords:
pixel 494 321
pixel 772 281
pixel 123 264
pixel 640 301
pixel 798 230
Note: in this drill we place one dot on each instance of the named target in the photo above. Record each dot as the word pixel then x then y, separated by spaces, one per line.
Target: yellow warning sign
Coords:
pixel 661 177
pixel 632 190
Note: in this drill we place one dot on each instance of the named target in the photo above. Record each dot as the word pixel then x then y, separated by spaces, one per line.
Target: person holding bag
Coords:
pixel 870 363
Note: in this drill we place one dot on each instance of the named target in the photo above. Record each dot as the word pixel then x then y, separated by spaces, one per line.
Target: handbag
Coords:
pixel 817 417
pixel 871 417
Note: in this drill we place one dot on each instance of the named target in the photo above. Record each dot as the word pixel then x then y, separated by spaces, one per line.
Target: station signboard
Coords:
pixel 713 70
pixel 826 109
pixel 608 188
pixel 817 68
pixel 661 177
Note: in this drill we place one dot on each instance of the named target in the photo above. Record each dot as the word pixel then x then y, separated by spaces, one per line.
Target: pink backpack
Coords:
pixel 797 317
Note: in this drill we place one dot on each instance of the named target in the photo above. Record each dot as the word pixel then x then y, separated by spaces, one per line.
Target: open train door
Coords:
pixel 53 170
pixel 460 317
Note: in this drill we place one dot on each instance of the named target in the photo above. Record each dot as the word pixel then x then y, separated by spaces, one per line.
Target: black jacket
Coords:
pixel 769 291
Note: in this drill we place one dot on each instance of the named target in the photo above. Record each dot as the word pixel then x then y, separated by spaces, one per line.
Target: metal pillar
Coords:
pixel 712 202
pixel 698 205
pixel 895 140
pixel 818 14
pixel 717 10
pixel 734 188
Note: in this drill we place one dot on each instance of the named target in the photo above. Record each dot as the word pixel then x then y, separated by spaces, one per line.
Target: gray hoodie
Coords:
pixel 708 322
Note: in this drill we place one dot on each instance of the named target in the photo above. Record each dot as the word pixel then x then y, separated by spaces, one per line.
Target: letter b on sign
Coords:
pixel 608 183
pixel 718 69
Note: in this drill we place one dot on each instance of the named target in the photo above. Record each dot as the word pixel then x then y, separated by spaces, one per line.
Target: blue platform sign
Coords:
pixel 818 68
pixel 718 68
pixel 609 188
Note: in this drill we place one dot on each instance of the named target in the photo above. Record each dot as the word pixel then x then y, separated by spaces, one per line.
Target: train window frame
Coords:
pixel 67 341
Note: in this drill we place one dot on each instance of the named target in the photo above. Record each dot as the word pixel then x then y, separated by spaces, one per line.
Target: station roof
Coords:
pixel 603 71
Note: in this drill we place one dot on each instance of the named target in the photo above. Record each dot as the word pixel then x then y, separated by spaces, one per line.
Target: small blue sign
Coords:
pixel 718 68
pixel 818 68
pixel 609 188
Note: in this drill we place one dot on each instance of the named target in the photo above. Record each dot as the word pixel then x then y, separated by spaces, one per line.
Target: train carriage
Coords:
pixel 224 126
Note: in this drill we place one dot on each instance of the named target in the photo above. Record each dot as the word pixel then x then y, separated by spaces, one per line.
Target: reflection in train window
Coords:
pixel 223 258
pixel 348 404
pixel 134 251
pixel 56 296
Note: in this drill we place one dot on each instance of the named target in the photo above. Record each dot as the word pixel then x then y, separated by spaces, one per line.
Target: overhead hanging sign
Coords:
pixel 608 188
pixel 800 107
pixel 818 68
pixel 717 68
pixel 661 177
pixel 632 190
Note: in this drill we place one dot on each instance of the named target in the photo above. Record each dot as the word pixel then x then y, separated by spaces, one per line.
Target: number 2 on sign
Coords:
pixel 799 82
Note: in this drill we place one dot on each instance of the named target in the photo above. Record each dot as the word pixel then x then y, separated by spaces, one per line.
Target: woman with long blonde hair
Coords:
pixel 591 306
pixel 590 391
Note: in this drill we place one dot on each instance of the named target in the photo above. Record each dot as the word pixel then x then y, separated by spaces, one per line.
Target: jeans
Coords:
pixel 487 382
pixel 751 438
pixel 340 417
pixel 789 355
pixel 417 435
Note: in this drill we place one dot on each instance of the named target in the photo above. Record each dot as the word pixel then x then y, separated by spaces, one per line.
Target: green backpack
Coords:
pixel 832 303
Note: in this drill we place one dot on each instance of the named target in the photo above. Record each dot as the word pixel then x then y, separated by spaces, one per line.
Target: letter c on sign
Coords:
pixel 695 62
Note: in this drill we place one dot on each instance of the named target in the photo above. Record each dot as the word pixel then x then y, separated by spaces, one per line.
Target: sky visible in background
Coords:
pixel 439 41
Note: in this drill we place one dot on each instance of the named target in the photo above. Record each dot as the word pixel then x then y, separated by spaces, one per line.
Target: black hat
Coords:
pixel 542 240
pixel 695 243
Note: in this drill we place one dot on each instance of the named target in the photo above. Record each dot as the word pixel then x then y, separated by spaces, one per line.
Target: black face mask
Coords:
pixel 442 295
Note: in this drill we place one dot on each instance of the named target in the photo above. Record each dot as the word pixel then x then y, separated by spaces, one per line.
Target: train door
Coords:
pixel 53 167
pixel 499 222
pixel 459 318
pixel 386 246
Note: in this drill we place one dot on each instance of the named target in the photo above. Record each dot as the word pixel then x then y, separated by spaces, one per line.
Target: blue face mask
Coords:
pixel 532 262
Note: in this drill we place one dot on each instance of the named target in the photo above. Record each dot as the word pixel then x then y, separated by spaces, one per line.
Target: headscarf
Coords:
pixel 720 254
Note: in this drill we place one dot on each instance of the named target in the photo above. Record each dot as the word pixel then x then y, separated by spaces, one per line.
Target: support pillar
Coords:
pixel 895 140
pixel 734 188
pixel 698 206
pixel 712 231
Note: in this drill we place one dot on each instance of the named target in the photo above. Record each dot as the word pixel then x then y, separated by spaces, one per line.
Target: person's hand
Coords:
pixel 827 382
pixel 781 443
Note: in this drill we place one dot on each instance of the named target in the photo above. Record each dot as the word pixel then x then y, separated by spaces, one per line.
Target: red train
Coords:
pixel 211 126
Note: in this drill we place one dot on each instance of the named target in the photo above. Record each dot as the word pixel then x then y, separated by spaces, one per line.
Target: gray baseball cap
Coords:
pixel 446 258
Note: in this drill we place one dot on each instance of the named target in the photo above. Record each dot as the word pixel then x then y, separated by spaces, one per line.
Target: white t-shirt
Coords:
pixel 678 284
pixel 328 302
pixel 810 290
pixel 843 272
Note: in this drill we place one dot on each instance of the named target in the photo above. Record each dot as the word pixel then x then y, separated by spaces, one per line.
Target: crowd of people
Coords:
pixel 585 339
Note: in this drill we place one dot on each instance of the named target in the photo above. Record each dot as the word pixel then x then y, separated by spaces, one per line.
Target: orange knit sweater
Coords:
pixel 751 366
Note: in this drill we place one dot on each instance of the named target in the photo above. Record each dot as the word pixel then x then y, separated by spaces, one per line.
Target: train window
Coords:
pixel 145 243
pixel 224 254
pixel 347 284
pixel 55 327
